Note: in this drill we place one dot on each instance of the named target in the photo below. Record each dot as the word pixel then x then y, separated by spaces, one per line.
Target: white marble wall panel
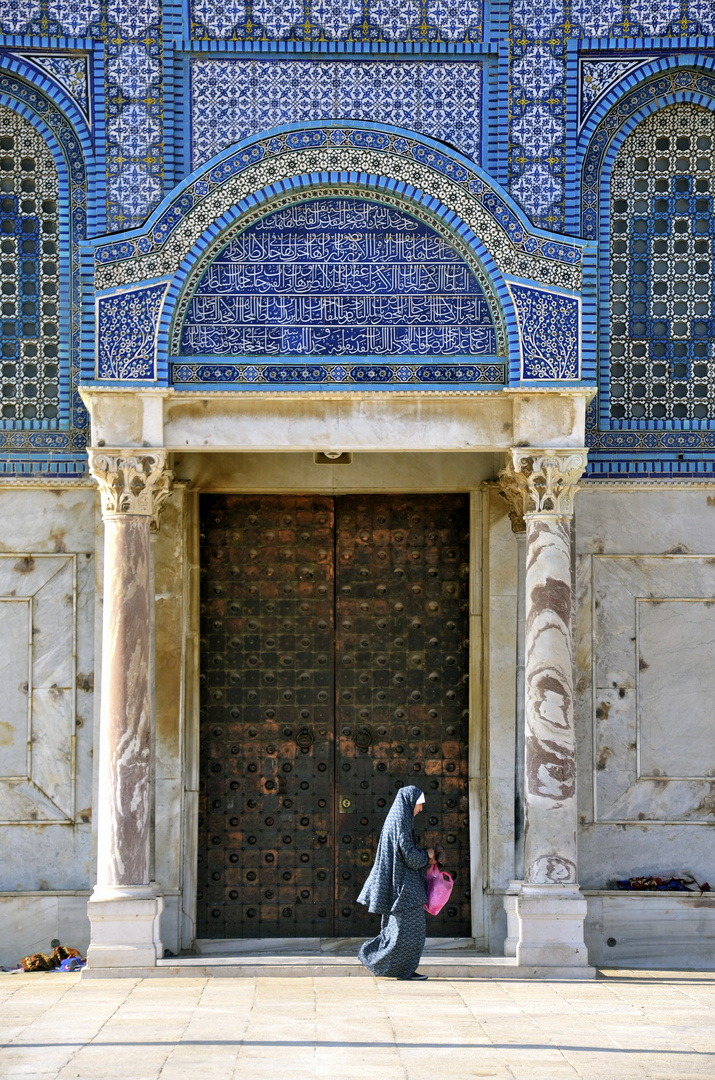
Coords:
pixel 644 519
pixel 648 742
pixel 46 584
pixel 15 659
pixel 651 931
pixel 28 923
pixel 47 562
pixel 676 687
pixel 643 635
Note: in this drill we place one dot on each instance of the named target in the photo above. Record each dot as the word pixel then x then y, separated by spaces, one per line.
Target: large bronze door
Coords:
pixel 334 655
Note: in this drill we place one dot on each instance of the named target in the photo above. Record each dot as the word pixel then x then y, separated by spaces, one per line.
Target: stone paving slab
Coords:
pixel 627 1025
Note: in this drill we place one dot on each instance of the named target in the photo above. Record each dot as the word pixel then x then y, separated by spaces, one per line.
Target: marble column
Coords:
pixel 124 908
pixel 549 904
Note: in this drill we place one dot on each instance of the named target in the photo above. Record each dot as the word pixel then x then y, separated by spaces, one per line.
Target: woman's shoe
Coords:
pixel 414 977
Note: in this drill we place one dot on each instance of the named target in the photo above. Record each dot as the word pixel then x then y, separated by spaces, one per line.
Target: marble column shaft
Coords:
pixel 133 488
pixel 549 747
pixel 124 807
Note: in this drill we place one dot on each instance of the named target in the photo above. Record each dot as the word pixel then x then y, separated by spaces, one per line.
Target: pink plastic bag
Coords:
pixel 439 889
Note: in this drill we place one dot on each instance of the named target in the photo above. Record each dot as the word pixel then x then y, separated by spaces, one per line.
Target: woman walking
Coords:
pixel 395 889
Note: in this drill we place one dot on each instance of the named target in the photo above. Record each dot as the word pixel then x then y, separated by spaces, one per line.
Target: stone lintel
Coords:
pixel 347 420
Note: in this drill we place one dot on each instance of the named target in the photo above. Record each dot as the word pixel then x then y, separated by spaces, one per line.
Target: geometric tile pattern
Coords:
pixel 52 443
pixel 661 268
pixel 29 271
pixel 339 278
pixel 538 32
pixel 235 99
pixel 350 20
pixel 365 374
pixel 134 128
pixel 131 31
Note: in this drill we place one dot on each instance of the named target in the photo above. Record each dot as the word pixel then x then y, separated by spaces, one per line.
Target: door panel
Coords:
pixel 401 569
pixel 334 665
pixel 267 730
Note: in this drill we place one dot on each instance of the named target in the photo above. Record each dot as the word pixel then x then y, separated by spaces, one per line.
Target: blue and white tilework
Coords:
pixel 598 75
pixel 549 328
pixel 42 412
pixel 134 70
pixel 134 17
pixel 74 16
pixel 366 374
pixel 135 129
pixel 126 334
pixel 338 20
pixel 134 123
pixel 234 99
pixel 662 321
pixel 29 272
pixel 70 70
pixel 338 278
pixel 135 190
pixel 537 81
pixel 17 15
pixel 435 180
pixel 537 109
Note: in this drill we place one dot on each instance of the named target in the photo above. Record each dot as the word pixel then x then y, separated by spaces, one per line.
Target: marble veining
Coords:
pixel 550 766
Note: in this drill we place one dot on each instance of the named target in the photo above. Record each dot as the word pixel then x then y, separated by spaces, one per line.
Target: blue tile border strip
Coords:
pixel 294 373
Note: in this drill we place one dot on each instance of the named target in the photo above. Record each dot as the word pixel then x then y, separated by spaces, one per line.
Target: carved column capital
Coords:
pixel 513 494
pixel 130 482
pixel 545 480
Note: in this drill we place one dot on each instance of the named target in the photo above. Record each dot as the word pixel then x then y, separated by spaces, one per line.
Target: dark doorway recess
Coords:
pixel 334 661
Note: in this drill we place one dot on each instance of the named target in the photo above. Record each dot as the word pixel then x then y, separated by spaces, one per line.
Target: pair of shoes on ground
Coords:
pixel 414 977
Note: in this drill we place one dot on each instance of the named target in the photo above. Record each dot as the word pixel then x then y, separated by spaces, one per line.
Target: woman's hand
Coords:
pixel 430 855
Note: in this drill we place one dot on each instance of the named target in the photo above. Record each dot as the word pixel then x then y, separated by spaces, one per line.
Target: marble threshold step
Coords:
pixel 445 958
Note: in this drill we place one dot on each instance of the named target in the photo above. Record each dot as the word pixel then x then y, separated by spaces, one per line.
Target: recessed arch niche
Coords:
pixel 338 273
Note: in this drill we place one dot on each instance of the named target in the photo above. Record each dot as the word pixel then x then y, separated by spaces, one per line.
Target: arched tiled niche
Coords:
pixel 534 280
pixel 338 285
pixel 639 103
pixel 45 169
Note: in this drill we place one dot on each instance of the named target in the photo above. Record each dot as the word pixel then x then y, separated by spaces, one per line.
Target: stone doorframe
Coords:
pixel 134 434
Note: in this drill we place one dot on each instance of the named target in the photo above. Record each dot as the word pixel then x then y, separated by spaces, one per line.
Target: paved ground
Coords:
pixel 627 1024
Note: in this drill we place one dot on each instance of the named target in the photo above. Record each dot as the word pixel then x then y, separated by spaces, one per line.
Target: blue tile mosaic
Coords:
pixel 338 277
pixel 126 334
pixel 662 321
pixel 364 374
pixel 338 20
pixel 259 154
pixel 68 69
pixel 234 99
pixel 44 214
pixel 29 272
pixel 550 333
pixel 597 76
pixel 536 82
